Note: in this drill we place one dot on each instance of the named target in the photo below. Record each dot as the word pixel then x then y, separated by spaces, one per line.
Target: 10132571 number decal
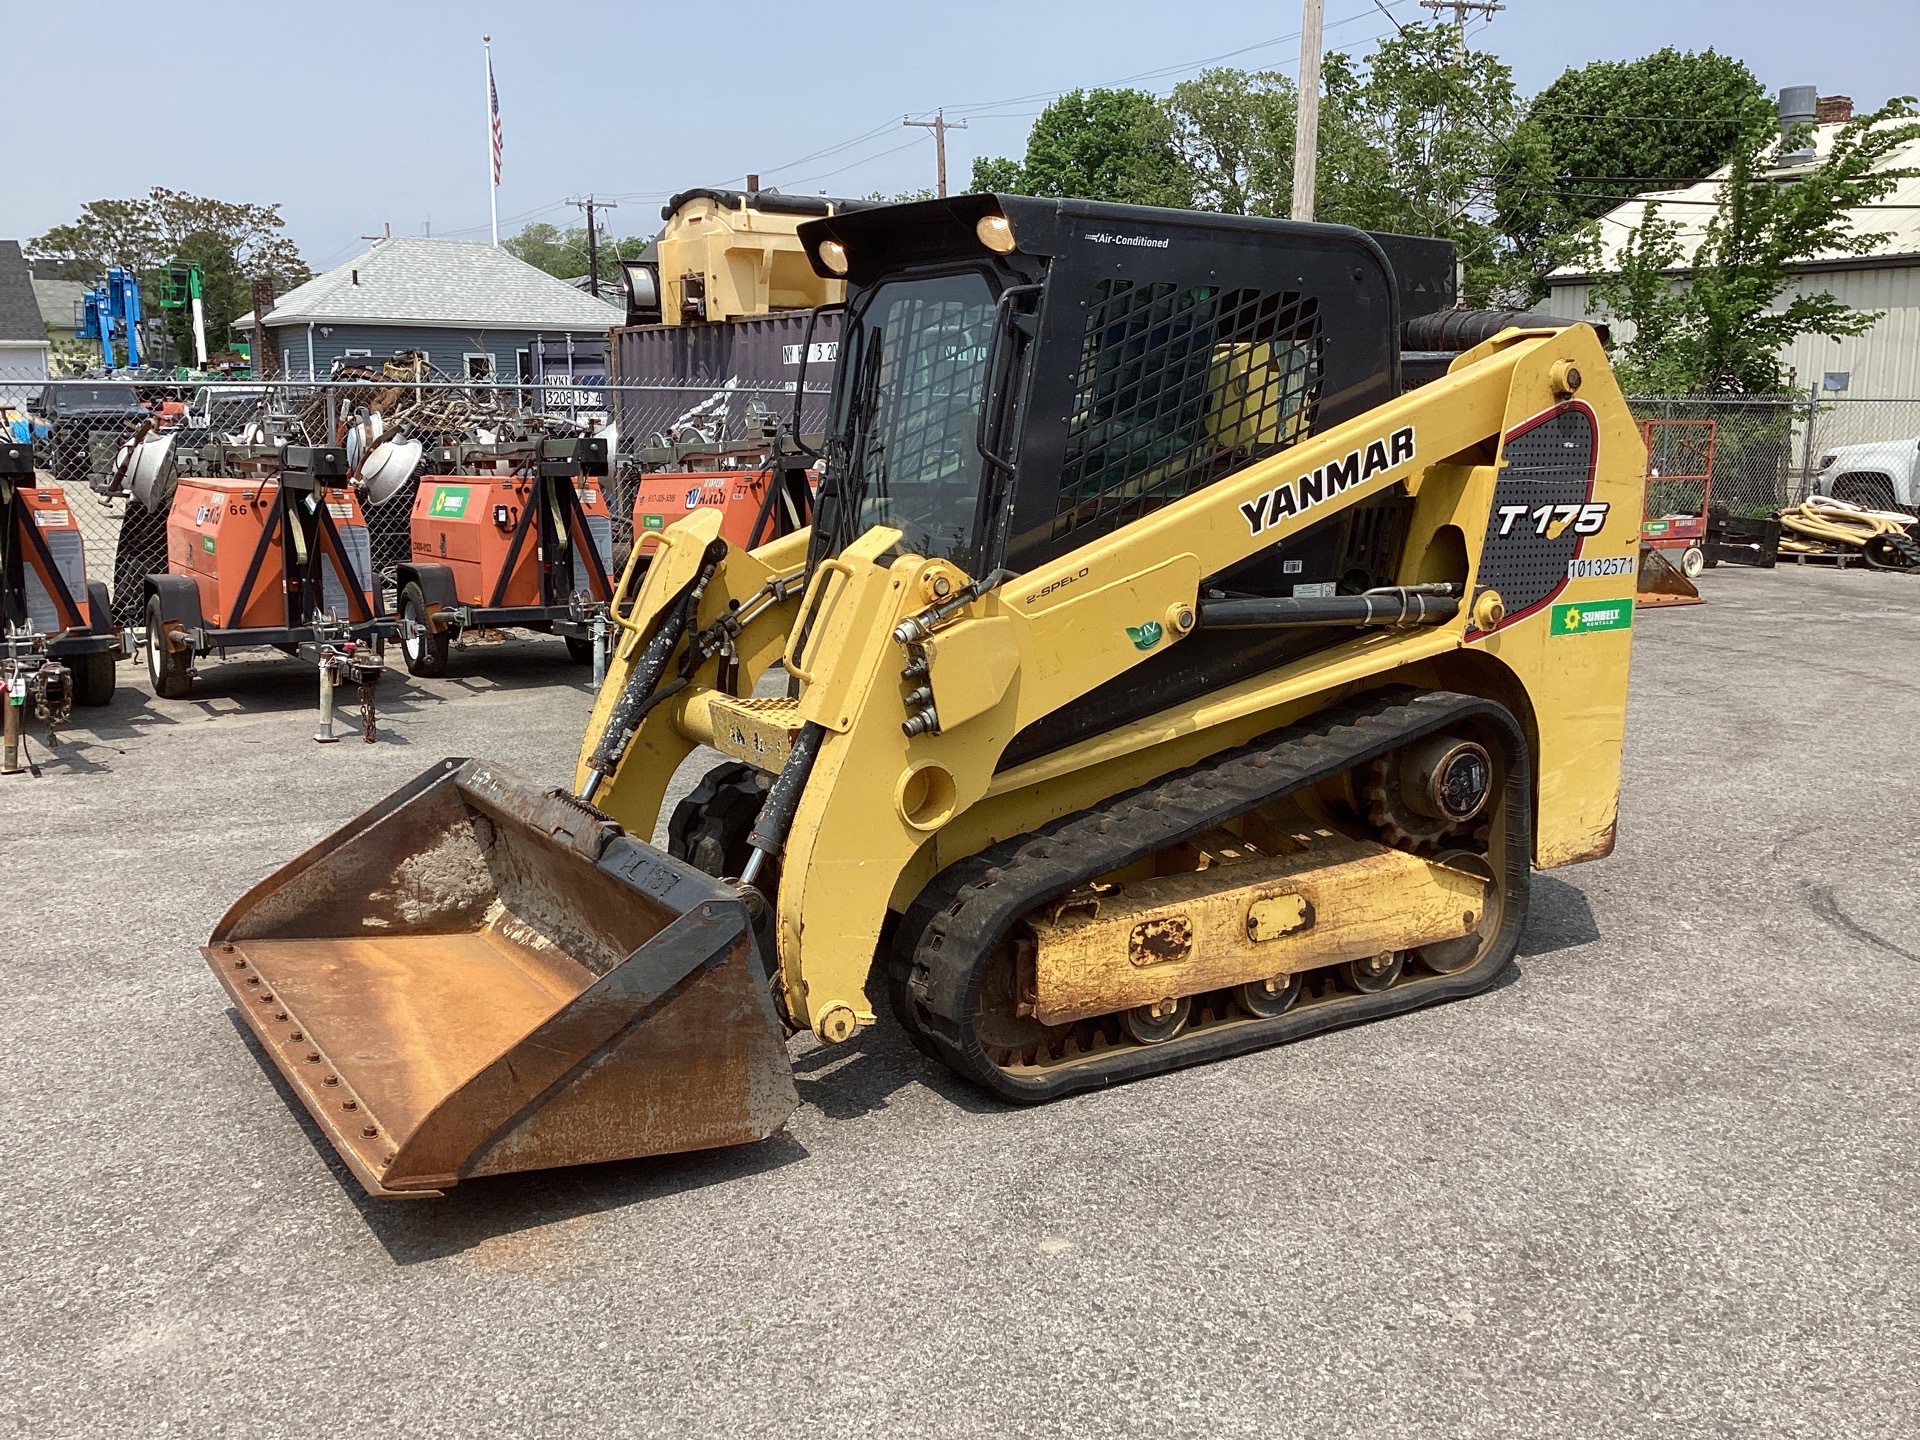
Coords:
pixel 1586 519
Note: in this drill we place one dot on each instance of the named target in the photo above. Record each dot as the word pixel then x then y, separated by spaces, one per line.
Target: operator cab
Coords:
pixel 1019 377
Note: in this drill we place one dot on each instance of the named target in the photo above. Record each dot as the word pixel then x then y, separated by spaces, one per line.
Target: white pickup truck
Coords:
pixel 1882 475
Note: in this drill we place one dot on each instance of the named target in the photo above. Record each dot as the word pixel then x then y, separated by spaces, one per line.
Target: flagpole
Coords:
pixel 493 185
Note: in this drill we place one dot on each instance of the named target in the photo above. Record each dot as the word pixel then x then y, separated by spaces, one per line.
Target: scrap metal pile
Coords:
pixel 417 399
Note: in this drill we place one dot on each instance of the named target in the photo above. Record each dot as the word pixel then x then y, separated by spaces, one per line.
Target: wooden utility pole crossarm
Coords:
pixel 590 204
pixel 939 125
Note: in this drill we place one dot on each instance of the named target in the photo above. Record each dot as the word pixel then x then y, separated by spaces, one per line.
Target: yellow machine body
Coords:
pixel 720 261
pixel 499 979
pixel 885 811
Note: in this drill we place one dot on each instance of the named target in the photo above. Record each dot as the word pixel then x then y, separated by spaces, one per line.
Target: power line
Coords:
pixel 593 239
pixel 939 125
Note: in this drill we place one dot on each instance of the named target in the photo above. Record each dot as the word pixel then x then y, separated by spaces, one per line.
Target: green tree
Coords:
pixel 1114 145
pixel 1411 142
pixel 144 234
pixel 1722 328
pixel 233 243
pixel 997 175
pixel 1613 129
pixel 563 253
pixel 1233 131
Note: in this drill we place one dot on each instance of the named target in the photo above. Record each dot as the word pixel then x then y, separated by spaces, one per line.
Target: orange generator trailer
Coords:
pixel 58 644
pixel 518 537
pixel 759 499
pixel 267 545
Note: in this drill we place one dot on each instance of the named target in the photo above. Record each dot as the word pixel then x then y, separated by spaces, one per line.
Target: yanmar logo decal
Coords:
pixel 1295 497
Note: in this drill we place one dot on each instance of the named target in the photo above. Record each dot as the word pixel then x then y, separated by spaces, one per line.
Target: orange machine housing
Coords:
pixel 60 552
pixel 468 522
pixel 663 496
pixel 215 527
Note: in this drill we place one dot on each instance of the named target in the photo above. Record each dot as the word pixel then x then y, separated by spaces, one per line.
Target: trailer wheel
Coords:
pixel 579 651
pixel 1693 560
pixel 92 678
pixel 170 670
pixel 424 649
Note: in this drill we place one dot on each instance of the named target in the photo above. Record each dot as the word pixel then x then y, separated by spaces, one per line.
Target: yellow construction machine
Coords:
pixel 1166 677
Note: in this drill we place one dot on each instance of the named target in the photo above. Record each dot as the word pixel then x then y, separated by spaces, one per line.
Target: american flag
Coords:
pixel 493 107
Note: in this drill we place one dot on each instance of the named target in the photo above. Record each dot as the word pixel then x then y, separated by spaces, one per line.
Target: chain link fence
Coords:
pixel 1758 453
pixel 1762 452
pixel 80 427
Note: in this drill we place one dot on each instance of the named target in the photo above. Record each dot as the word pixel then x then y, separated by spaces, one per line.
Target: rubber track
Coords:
pixel 964 912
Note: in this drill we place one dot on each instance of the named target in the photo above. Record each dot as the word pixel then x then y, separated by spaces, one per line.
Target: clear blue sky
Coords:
pixel 365 115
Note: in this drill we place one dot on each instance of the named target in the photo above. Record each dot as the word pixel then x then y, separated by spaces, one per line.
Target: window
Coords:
pixel 1180 385
pixel 358 354
pixel 479 367
pixel 910 403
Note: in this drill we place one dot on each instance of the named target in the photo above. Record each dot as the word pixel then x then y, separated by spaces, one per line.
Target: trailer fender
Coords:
pixel 99 608
pixel 179 600
pixel 435 582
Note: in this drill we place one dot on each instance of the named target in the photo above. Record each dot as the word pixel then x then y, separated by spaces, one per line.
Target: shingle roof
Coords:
pixel 19 311
pixel 419 281
pixel 1896 215
pixel 57 299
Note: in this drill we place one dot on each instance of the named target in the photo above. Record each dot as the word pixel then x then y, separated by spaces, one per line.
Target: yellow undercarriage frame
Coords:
pixel 883 810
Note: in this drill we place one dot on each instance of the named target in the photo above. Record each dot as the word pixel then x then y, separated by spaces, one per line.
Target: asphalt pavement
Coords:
pixel 1661 1183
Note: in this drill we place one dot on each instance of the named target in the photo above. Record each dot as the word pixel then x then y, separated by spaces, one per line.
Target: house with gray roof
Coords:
pixel 23 335
pixel 474 309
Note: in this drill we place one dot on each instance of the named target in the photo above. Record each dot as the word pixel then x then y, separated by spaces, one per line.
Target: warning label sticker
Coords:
pixel 51 519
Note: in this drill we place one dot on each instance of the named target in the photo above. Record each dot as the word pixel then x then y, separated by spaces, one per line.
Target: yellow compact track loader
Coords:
pixel 1167 676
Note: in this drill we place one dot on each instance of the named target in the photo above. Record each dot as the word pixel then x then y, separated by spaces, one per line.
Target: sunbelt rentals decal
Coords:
pixel 449 502
pixel 1584 617
pixel 1296 497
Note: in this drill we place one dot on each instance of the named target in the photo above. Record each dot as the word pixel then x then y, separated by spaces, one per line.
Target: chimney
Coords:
pixel 1798 106
pixel 1833 110
pixel 753 183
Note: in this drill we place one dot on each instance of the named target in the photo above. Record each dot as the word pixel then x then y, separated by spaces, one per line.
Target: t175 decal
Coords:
pixel 1586 519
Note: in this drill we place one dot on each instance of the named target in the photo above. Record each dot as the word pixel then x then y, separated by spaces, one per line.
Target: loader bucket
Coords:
pixel 1662 583
pixel 477 976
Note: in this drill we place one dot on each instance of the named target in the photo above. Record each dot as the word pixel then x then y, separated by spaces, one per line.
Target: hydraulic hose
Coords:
pixel 769 834
pixel 639 697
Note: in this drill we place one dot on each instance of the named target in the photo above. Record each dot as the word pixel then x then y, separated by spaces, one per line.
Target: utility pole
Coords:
pixel 1461 9
pixel 1306 130
pixel 939 125
pixel 590 204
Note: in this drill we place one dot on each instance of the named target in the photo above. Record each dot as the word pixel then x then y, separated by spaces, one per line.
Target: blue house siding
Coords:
pixel 309 353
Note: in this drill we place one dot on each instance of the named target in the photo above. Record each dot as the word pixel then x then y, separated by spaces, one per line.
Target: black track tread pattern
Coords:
pixel 943 942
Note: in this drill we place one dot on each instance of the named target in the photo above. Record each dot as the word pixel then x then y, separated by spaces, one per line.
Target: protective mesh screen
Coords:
pixel 1180 385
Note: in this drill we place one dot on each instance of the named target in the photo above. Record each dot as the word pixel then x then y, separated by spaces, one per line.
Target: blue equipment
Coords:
pixel 111 308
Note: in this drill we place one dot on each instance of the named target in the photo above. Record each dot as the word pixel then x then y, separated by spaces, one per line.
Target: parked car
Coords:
pixel 73 412
pixel 1881 475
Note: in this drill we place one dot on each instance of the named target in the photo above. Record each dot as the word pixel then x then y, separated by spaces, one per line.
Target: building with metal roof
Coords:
pixel 1884 362
pixel 475 310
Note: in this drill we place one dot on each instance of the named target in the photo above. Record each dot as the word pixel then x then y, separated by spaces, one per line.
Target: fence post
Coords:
pixel 1806 454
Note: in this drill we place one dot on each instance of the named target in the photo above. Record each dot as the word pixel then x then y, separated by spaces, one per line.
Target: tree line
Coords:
pixel 1427 137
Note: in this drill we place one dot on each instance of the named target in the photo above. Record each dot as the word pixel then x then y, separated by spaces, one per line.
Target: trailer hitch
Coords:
pixel 349 663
